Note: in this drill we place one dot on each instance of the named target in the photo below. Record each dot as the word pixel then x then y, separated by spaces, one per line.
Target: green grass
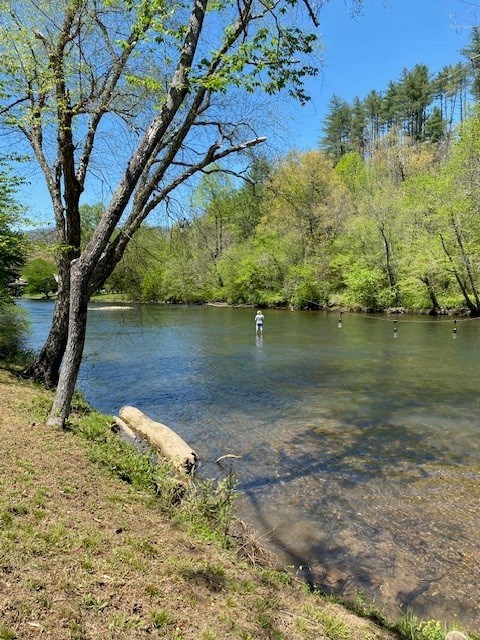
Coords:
pixel 408 626
pixel 205 508
pixel 335 628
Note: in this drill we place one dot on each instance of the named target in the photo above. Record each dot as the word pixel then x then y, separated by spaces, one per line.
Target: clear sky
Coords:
pixel 365 52
pixel 361 53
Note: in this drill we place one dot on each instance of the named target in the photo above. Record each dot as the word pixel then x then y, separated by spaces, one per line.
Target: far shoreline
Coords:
pixel 122 301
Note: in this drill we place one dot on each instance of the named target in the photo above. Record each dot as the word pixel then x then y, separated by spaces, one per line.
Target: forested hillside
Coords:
pixel 397 229
pixel 382 213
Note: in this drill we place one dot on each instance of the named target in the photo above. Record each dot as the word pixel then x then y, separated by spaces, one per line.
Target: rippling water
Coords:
pixel 360 452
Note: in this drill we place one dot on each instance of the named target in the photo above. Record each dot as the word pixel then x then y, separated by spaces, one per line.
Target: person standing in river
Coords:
pixel 259 318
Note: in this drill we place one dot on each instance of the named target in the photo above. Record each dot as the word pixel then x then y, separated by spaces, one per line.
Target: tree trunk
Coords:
pixel 77 327
pixel 431 294
pixel 474 311
pixel 46 368
pixel 467 264
pixel 392 280
pixel 162 438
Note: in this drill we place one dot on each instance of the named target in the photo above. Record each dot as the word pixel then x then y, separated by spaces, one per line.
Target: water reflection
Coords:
pixel 359 453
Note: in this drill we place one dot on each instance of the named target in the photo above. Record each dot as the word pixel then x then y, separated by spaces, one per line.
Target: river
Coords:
pixel 359 445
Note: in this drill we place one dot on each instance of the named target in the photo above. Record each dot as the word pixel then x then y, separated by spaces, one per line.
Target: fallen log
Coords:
pixel 161 438
pixel 122 426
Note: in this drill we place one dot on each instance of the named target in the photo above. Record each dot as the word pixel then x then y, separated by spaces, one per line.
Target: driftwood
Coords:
pixel 161 438
pixel 124 428
pixel 228 456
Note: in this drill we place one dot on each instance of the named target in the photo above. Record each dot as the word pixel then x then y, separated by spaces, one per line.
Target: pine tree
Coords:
pixel 392 106
pixel 415 94
pixel 373 111
pixel 337 129
pixel 435 126
pixel 358 127
pixel 472 52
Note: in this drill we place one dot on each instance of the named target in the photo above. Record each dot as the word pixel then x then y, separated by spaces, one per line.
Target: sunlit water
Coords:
pixel 360 452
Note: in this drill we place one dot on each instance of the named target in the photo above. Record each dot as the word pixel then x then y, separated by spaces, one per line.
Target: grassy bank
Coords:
pixel 95 543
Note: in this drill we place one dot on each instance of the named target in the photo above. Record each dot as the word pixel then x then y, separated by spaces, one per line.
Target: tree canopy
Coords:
pixel 398 229
pixel 146 95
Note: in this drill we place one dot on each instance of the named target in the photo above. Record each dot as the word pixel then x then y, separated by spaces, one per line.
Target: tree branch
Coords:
pixel 116 248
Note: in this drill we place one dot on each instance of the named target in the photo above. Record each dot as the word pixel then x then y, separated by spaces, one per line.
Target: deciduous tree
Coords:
pixel 161 82
pixel 39 274
pixel 13 243
pixel 13 249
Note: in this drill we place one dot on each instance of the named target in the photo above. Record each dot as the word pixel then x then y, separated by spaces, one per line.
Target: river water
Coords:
pixel 360 451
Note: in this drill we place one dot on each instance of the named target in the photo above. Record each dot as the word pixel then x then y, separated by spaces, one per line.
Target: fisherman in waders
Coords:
pixel 259 318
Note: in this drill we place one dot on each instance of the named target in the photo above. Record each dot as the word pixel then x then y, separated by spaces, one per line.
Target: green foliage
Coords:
pixel 213 503
pixel 39 274
pixel 415 629
pixel 110 451
pixel 90 215
pixel 334 626
pixel 435 126
pixel 337 129
pixel 140 272
pixel 13 243
pixel 6 634
pixel 398 230
pixel 254 273
pixel 353 171
pixel 408 626
pixel 308 289
pixel 13 247
pixel 365 286
pixel 418 105
pixel 472 53
pixel 206 507
pixel 13 328
pixel 160 618
pixel 246 203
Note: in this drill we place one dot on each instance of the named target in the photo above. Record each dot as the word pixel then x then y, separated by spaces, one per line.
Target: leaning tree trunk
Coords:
pixel 72 359
pixel 474 310
pixel 468 265
pixel 46 368
pixel 431 294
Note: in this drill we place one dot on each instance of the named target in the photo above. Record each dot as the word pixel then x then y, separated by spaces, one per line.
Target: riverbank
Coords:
pixel 93 546
pixel 124 299
pixel 336 308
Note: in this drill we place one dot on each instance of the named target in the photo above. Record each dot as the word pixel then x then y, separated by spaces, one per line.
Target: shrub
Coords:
pixel 13 327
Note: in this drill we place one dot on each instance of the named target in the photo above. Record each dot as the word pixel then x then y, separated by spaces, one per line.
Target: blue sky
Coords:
pixel 367 51
pixel 361 53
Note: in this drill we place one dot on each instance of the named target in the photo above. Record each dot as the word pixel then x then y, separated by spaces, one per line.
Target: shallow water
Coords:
pixel 360 452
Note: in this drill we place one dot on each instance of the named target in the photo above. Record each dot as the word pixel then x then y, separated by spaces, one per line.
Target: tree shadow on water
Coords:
pixel 334 492
pixel 350 454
